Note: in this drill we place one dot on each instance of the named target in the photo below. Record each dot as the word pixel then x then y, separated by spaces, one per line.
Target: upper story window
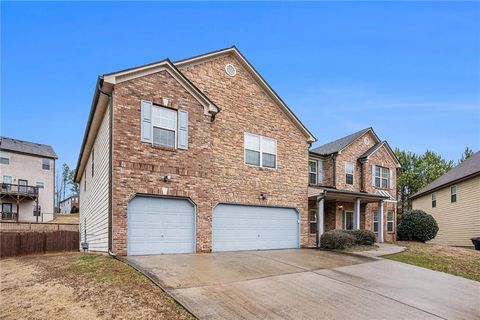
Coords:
pixel 260 151
pixel 381 177
pixel 434 200
pixel 453 194
pixel 46 164
pixel 163 126
pixel 40 185
pixel 4 158
pixel 313 171
pixel 349 170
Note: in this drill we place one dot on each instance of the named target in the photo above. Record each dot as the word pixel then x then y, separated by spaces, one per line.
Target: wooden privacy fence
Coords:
pixel 22 243
pixel 32 226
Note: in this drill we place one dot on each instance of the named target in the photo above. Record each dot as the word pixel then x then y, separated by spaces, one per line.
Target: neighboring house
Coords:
pixel 454 201
pixel 68 204
pixel 28 181
pixel 198 155
pixel 352 185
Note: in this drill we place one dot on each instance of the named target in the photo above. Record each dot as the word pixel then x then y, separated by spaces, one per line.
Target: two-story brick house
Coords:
pixel 352 185
pixel 197 155
pixel 27 191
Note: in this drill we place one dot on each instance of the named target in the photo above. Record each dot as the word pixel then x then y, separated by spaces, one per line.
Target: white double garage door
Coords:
pixel 167 225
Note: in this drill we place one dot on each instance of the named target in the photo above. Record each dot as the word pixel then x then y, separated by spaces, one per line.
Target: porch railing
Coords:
pixel 17 189
pixel 8 215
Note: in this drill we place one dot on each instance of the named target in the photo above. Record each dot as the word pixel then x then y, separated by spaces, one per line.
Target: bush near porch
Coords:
pixel 417 225
pixel 342 239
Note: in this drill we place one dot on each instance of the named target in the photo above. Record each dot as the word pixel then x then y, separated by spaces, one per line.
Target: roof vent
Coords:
pixel 230 69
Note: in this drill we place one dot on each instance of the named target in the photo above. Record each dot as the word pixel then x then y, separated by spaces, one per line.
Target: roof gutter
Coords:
pixel 96 97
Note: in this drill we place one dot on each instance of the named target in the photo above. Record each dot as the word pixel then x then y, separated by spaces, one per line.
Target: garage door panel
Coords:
pixel 239 227
pixel 160 225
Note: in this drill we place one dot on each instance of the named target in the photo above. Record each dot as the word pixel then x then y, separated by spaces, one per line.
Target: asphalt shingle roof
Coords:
pixel 339 144
pixel 9 144
pixel 467 168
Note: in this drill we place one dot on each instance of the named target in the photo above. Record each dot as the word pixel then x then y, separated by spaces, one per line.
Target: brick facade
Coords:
pixel 212 170
pixel 334 210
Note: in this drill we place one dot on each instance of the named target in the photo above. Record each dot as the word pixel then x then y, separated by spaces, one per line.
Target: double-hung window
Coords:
pixel 376 221
pixel 46 164
pixel 313 171
pixel 453 194
pixel 4 159
pixel 349 170
pixel 390 221
pixel 312 217
pixel 382 176
pixel 164 123
pixel 260 151
pixel 434 200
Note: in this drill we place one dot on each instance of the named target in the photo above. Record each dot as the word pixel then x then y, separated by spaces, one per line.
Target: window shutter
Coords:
pixel 373 175
pixel 182 129
pixel 146 121
pixel 320 171
pixel 391 178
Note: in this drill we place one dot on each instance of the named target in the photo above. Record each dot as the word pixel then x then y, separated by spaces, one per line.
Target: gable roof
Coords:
pixel 163 65
pixel 377 147
pixel 256 76
pixel 26 147
pixel 340 144
pixel 467 169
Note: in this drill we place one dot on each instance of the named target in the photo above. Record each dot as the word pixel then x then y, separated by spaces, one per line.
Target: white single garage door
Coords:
pixel 160 225
pixel 241 227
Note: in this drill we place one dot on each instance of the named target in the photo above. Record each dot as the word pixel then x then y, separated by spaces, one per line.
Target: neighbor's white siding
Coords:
pixel 94 201
pixel 458 221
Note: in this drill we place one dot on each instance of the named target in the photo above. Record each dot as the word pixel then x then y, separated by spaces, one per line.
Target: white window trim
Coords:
pixel 376 221
pixel 392 221
pixel 310 172
pixel 381 178
pixel 353 173
pixel 260 150
pixel 451 194
pixel 165 128
pixel 434 198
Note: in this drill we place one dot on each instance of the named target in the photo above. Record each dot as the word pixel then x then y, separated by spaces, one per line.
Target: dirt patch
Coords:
pixel 461 262
pixel 73 286
pixel 66 218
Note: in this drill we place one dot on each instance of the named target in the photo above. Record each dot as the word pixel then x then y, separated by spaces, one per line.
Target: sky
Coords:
pixel 410 70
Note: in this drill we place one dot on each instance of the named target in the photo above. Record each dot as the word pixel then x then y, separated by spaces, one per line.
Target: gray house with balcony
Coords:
pixel 27 190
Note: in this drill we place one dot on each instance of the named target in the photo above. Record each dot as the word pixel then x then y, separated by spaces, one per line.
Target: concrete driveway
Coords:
pixel 308 284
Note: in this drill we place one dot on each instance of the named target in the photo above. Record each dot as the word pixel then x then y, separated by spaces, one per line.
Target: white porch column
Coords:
pixel 356 220
pixel 380 222
pixel 320 218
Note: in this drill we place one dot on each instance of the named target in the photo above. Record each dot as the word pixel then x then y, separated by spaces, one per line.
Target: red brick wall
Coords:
pixel 212 170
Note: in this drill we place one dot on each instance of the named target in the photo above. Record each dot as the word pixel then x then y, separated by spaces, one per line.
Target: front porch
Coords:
pixel 331 209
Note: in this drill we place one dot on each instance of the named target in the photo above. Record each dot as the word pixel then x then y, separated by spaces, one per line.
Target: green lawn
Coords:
pixel 461 262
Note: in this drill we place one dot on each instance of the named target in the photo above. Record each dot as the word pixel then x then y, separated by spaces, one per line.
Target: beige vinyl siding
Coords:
pixel 94 201
pixel 458 221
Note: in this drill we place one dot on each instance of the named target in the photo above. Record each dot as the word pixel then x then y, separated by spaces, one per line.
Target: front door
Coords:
pixel 348 220
pixel 22 185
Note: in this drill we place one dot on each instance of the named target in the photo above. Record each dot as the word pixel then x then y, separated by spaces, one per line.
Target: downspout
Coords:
pixel 110 169
pixel 362 178
pixel 334 158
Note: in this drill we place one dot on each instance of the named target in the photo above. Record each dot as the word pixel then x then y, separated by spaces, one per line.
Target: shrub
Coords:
pixel 74 210
pixel 417 225
pixel 336 239
pixel 362 237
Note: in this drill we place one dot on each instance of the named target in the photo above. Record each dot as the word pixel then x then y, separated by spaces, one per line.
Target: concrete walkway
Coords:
pixel 308 284
pixel 383 249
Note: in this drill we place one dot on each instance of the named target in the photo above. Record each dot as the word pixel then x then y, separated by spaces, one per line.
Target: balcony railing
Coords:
pixel 8 215
pixel 17 189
